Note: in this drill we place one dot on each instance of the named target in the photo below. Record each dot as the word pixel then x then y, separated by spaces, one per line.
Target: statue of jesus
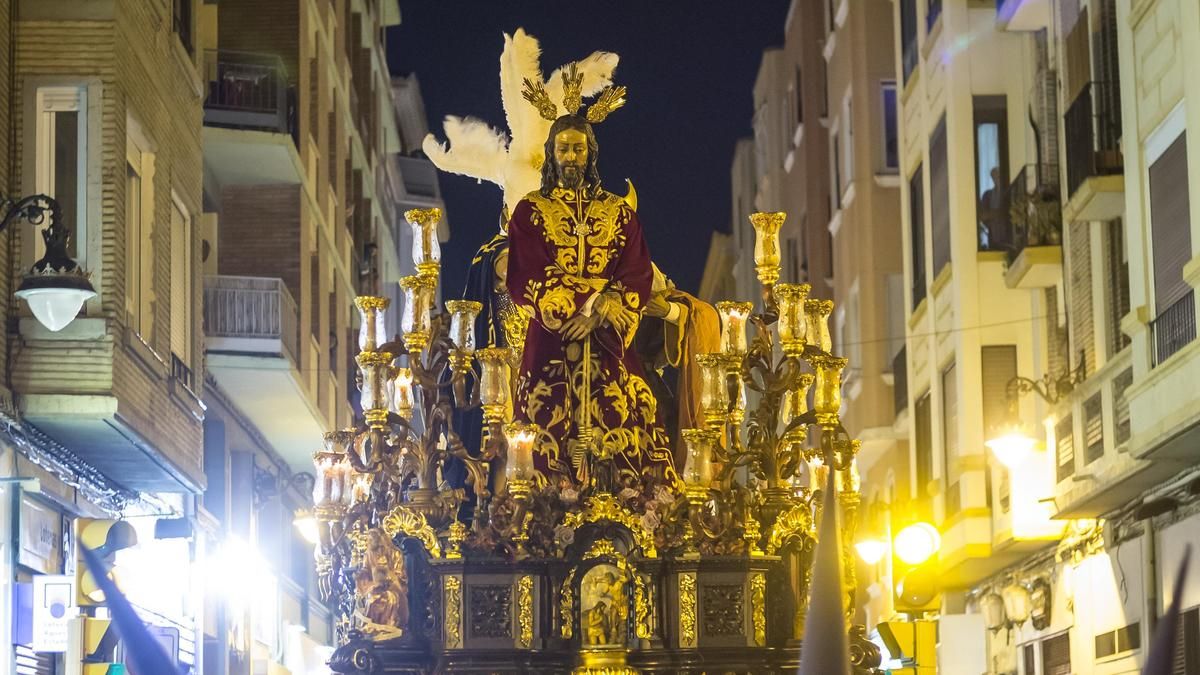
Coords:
pixel 578 261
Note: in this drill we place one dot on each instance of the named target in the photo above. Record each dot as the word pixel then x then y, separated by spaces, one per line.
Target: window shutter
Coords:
pixel 1064 443
pixel 924 446
pixel 1116 271
pixel 1056 655
pixel 1093 429
pixel 1170 224
pixel 180 284
pixel 1187 644
pixel 1121 407
pixel 939 197
pixel 1079 66
pixel 1079 291
pixel 916 214
pixel 998 366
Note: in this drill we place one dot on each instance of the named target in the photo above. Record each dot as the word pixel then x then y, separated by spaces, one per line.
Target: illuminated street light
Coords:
pixel 56 286
pixel 871 550
pixel 917 543
pixel 306 524
pixel 1012 446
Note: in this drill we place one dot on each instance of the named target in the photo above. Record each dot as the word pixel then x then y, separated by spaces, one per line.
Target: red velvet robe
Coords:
pixel 551 274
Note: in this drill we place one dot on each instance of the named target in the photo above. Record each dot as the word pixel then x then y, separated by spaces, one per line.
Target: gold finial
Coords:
pixel 609 100
pixel 536 95
pixel 572 89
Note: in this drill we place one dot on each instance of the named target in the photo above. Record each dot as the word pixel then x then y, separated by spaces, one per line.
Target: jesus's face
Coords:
pixel 570 155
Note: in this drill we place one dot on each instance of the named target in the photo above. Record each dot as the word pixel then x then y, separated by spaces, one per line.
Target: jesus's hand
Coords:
pixel 580 326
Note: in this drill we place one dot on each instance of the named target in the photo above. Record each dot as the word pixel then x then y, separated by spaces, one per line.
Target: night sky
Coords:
pixel 690 71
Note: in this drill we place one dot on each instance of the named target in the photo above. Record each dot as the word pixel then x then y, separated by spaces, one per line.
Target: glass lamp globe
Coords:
pixel 917 543
pixel 871 550
pixel 1012 446
pixel 54 308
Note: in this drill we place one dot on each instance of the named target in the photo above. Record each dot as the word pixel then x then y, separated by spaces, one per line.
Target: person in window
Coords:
pixel 995 234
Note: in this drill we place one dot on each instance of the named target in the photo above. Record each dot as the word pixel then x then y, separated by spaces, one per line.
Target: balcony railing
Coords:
pixel 251 308
pixel 180 371
pixel 900 380
pixel 1035 208
pixel 248 91
pixel 1174 328
pixel 1093 134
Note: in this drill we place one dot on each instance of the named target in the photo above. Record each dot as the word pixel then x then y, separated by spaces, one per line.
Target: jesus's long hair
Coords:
pixel 550 173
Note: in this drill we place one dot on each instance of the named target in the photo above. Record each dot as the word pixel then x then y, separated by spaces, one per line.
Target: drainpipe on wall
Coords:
pixel 1149 580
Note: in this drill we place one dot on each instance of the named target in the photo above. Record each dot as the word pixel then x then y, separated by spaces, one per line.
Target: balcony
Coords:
pixel 1023 15
pixel 1173 329
pixel 1164 419
pixel 1035 212
pixel 250 120
pixel 252 340
pixel 1095 166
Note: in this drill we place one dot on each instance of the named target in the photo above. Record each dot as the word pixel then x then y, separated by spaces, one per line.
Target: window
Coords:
pixel 61 164
pixel 1064 443
pixel 1187 643
pixel 1119 641
pixel 182 22
pixel 835 167
pixel 939 197
pixel 1170 223
pixel 139 239
pixel 824 88
pixel 799 101
pixel 908 37
pixel 1120 384
pixel 998 365
pixel 991 173
pixel 894 289
pixel 181 285
pixel 916 216
pixel 891 138
pixel 1056 655
pixel 851 331
pixel 1093 429
pixel 923 444
pixel 848 144
pixel 793 259
pixel 1116 298
pixel 950 438
pixel 1029 660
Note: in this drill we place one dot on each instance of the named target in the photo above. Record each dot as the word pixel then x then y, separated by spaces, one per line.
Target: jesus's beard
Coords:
pixel 570 176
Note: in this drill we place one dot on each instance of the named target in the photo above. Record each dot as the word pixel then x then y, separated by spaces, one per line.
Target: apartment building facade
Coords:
pixel 307 140
pixel 791 149
pixel 102 105
pixel 1048 256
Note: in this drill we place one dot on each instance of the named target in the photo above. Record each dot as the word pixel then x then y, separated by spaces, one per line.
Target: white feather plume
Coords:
pixel 597 71
pixel 482 152
pixel 475 149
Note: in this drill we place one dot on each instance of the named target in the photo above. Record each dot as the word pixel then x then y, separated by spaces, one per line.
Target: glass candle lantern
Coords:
pixel 402 392
pixel 375 379
pixel 766 245
pixel 418 301
pixel 698 468
pixel 493 384
pixel 462 323
pixel 714 395
pixel 733 326
pixel 427 251
pixel 817 312
pixel 521 438
pixel 827 400
pixel 360 488
pixel 372 330
pixel 795 404
pixel 792 321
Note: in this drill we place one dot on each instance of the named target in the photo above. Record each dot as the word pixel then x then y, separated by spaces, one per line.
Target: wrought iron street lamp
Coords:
pixel 56 286
pixel 1013 443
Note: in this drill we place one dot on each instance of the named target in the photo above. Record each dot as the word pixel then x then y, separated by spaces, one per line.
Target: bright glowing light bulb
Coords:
pixel 917 543
pixel 871 550
pixel 1012 447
